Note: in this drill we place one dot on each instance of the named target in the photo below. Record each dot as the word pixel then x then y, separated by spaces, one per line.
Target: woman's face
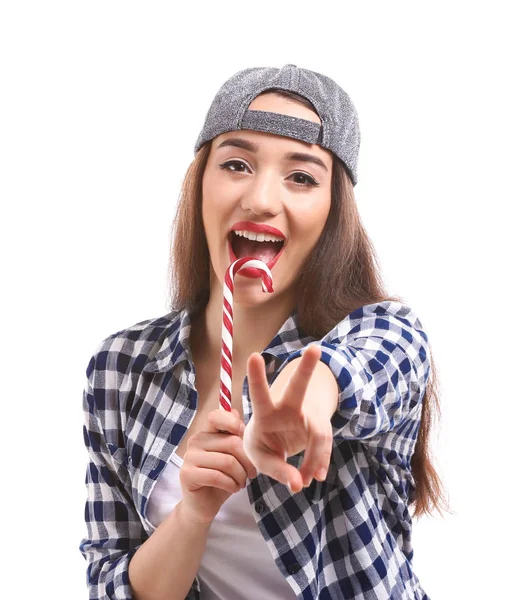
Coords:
pixel 250 181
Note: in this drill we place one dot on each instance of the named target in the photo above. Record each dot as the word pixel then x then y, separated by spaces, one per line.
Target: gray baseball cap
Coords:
pixel 339 129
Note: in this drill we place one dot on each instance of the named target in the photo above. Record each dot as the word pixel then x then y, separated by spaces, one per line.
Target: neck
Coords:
pixel 253 328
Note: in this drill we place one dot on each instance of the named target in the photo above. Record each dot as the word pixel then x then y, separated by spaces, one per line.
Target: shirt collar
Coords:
pixel 175 347
pixel 289 338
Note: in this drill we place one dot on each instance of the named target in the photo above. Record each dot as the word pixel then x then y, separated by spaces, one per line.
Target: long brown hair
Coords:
pixel 344 261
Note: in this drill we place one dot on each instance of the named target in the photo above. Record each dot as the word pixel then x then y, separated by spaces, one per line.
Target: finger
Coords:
pixel 223 421
pixel 317 454
pixel 258 385
pixel 228 444
pixel 200 477
pixel 217 461
pixel 296 387
pixel 276 468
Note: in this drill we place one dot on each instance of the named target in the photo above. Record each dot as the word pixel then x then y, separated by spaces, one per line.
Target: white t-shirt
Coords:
pixel 237 563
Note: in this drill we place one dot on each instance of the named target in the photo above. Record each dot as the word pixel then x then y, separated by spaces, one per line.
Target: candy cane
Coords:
pixel 225 394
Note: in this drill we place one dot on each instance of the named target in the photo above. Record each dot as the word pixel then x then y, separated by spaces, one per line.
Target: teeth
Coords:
pixel 259 237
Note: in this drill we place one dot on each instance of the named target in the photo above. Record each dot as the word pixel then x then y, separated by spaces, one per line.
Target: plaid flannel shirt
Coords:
pixel 346 537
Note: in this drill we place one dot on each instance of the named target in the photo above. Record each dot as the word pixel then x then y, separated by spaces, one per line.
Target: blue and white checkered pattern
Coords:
pixel 346 537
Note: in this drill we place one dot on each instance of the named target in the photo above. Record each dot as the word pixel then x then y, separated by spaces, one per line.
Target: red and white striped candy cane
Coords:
pixel 225 395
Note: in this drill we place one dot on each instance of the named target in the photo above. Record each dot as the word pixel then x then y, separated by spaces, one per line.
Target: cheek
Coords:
pixel 216 199
pixel 311 222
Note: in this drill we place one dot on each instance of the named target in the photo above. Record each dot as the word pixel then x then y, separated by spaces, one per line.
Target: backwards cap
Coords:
pixel 339 129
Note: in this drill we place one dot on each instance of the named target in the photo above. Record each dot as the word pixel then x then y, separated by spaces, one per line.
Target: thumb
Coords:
pixel 238 415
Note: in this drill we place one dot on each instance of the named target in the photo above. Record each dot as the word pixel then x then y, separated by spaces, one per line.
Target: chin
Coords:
pixel 251 295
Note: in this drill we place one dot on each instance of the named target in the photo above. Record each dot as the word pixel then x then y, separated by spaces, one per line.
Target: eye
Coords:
pixel 309 181
pixel 230 163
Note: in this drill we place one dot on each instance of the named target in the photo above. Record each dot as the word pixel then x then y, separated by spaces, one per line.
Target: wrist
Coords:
pixel 189 518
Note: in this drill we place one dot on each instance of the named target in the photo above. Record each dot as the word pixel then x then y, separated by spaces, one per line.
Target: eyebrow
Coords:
pixel 292 156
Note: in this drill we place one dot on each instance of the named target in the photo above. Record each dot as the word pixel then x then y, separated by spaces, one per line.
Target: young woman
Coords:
pixel 303 490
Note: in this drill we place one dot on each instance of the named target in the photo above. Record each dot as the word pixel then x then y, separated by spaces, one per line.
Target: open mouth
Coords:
pixel 267 251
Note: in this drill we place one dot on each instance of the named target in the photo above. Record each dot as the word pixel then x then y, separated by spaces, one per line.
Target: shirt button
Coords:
pixel 260 508
pixel 293 569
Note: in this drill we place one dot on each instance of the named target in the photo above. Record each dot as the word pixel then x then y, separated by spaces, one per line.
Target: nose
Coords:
pixel 263 194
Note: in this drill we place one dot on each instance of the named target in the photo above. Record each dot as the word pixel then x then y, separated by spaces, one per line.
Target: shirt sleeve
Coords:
pixel 114 529
pixel 379 355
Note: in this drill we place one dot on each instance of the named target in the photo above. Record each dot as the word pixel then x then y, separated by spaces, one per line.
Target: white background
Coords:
pixel 101 104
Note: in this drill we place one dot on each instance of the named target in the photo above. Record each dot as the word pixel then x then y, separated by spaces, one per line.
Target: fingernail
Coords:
pixel 289 486
pixel 241 429
pixel 321 474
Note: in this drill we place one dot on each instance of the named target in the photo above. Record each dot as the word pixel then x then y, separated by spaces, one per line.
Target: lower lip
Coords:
pixel 251 272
